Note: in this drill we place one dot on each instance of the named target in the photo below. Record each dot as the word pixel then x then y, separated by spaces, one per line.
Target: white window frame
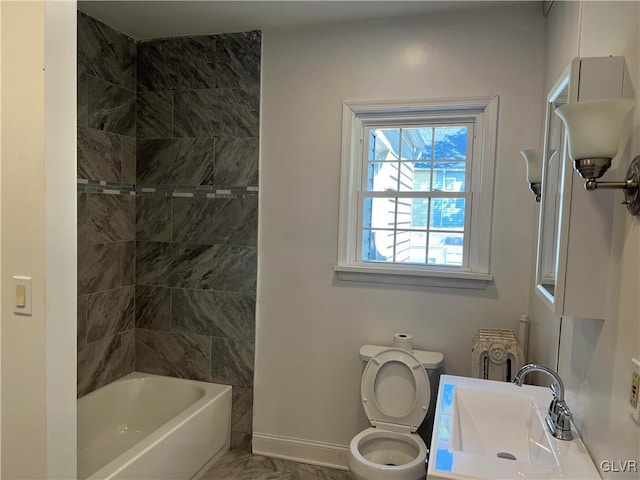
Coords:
pixel 474 273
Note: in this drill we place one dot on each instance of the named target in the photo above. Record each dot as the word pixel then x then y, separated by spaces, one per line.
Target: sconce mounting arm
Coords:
pixel 630 186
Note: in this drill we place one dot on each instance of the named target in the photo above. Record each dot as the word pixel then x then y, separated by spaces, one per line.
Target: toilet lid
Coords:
pixel 395 391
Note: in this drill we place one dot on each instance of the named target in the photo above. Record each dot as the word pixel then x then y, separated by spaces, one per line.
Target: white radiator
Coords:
pixel 496 354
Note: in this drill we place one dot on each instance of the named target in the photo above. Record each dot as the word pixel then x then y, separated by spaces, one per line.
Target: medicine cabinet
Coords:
pixel 574 232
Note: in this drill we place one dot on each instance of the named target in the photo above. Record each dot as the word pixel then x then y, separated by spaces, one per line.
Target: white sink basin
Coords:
pixel 496 430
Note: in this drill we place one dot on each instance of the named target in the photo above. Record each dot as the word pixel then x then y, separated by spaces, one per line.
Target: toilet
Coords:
pixel 396 395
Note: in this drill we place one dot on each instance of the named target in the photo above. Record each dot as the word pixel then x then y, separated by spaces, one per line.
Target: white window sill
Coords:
pixel 395 276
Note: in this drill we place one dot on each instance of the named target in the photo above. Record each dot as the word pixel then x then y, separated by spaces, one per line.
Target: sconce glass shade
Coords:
pixel 533 157
pixel 594 127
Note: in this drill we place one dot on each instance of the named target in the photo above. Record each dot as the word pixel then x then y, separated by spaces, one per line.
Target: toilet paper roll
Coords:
pixel 403 340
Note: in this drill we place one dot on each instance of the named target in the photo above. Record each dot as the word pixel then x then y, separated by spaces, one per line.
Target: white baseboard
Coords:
pixel 298 450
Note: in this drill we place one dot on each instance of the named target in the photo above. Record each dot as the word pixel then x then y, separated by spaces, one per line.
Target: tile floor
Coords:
pixel 241 465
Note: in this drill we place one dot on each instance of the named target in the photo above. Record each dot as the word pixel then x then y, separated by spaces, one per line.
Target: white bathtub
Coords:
pixel 151 427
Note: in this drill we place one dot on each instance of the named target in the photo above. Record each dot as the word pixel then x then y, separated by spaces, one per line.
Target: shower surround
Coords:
pixel 192 214
pixel 106 223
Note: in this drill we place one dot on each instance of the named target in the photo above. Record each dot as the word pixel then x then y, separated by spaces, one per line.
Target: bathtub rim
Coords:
pixel 213 392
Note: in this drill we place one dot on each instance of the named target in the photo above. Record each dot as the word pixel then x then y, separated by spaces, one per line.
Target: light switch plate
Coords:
pixel 26 283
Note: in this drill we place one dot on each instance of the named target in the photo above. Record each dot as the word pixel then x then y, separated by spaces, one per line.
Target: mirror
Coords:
pixel 554 154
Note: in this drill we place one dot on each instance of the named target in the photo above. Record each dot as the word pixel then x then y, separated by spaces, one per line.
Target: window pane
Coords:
pixel 377 245
pixel 446 248
pixel 447 214
pixel 403 214
pixel 450 143
pixel 382 176
pixel 379 212
pixel 417 143
pixel 367 212
pixel 449 176
pixel 406 171
pixel 415 176
pixel 384 144
pixel 401 246
pixel 418 247
pixel 419 213
pixel 437 255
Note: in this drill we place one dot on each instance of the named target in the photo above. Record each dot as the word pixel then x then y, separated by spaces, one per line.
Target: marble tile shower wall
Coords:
pixel 197 125
pixel 106 223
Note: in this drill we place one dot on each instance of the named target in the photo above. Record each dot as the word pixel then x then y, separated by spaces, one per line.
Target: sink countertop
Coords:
pixel 496 430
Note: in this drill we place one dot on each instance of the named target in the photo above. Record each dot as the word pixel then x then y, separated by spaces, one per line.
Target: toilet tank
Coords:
pixel 429 360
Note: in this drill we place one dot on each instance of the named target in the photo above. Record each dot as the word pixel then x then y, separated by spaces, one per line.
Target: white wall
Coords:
pixel 595 355
pixel 310 325
pixel 0 240
pixel 38 238
pixel 23 242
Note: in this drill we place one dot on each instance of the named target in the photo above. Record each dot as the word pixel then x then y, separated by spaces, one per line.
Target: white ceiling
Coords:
pixel 149 19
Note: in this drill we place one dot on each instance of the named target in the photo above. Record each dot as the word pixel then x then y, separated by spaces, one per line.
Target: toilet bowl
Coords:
pixel 376 454
pixel 396 394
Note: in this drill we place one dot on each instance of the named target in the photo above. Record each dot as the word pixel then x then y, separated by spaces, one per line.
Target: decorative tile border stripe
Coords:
pixel 110 188
pixel 187 191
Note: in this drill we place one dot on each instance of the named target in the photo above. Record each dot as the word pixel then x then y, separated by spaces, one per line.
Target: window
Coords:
pixel 416 192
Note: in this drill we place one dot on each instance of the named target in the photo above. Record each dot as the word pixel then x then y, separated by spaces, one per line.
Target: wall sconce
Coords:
pixel 593 130
pixel 533 158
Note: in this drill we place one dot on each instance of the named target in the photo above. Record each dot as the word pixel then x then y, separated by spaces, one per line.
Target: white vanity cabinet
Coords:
pixel 574 239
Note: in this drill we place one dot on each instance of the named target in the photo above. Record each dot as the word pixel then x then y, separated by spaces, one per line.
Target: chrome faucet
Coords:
pixel 559 416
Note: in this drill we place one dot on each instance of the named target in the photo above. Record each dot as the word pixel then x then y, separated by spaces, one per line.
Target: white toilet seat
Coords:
pixel 395 391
